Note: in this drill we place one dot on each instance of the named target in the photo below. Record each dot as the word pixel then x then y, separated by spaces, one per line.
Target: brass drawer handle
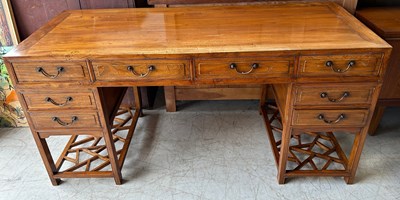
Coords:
pixel 68 99
pixel 59 121
pixel 332 66
pixel 149 69
pixel 344 95
pixel 41 70
pixel 252 67
pixel 338 119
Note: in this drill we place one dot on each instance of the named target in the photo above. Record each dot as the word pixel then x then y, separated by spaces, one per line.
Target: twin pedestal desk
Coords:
pixel 325 69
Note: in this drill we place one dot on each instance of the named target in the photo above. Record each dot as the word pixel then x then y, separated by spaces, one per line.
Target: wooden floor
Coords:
pixel 207 150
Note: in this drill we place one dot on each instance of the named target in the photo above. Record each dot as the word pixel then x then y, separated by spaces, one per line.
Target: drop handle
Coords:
pixel 331 64
pixel 325 95
pixel 150 68
pixel 67 100
pixel 52 76
pixel 62 123
pixel 337 120
pixel 252 67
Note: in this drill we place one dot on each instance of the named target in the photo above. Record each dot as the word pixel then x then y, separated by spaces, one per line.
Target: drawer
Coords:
pixel 141 70
pixel 48 100
pixel 334 94
pixel 234 68
pixel 81 119
pixel 355 118
pixel 51 71
pixel 341 65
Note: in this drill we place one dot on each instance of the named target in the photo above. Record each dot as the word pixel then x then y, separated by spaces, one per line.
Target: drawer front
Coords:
pixel 341 65
pixel 77 119
pixel 336 118
pixel 51 71
pixel 334 94
pixel 141 70
pixel 50 100
pixel 243 68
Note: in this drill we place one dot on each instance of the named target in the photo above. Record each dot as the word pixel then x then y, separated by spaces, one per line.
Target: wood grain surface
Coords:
pixel 259 28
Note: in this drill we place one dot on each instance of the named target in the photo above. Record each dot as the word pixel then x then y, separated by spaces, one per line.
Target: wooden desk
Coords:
pixel 326 68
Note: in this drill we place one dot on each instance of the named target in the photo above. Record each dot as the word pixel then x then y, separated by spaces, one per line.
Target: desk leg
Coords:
pixel 355 155
pixel 138 101
pixel 263 97
pixel 376 119
pixel 170 100
pixel 286 127
pixel 283 156
pixel 47 158
pixel 108 136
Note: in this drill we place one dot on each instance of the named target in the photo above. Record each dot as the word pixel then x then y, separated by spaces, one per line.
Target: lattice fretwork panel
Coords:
pixel 317 151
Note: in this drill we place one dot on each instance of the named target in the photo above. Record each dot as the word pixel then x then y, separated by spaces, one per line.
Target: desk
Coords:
pixel 326 69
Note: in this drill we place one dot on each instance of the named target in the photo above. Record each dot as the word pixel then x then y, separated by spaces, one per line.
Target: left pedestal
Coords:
pixel 99 130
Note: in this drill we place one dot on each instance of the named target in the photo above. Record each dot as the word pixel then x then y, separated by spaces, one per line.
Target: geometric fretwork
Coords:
pixel 85 153
pixel 308 151
pixel 320 152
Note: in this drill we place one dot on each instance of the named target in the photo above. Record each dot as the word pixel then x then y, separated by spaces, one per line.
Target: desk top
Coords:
pixel 383 20
pixel 197 30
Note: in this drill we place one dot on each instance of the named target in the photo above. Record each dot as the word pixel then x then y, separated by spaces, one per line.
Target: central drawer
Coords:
pixel 243 68
pixel 141 70
pixel 62 119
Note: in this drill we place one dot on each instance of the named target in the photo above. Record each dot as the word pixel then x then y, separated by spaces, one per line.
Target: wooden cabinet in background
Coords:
pixel 385 21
